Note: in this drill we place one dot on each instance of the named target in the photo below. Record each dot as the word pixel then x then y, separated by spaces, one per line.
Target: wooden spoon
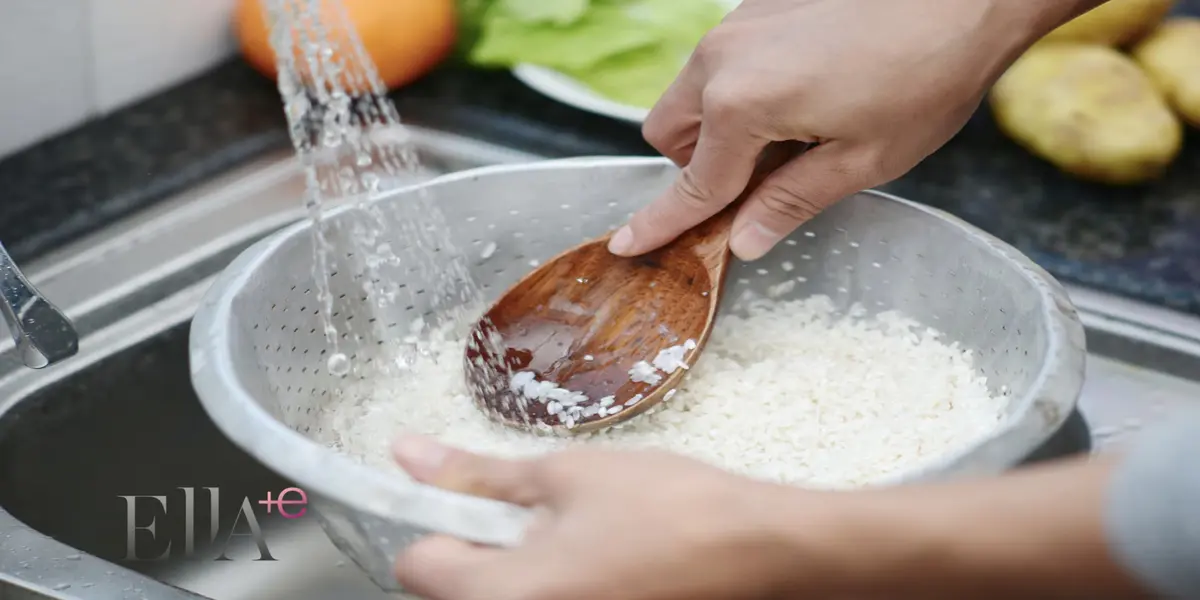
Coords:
pixel 584 319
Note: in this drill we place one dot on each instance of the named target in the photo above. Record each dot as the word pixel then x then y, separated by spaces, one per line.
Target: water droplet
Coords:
pixel 370 181
pixel 338 364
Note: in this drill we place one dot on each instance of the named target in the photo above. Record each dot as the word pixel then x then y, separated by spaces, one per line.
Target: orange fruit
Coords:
pixel 404 38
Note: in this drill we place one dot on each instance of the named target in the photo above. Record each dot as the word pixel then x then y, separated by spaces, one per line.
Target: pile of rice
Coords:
pixel 790 392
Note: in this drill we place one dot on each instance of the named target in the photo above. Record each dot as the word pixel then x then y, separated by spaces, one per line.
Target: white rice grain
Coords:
pixel 791 393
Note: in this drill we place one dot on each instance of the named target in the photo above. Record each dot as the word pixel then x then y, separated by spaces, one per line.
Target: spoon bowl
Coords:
pixel 585 319
pixel 590 339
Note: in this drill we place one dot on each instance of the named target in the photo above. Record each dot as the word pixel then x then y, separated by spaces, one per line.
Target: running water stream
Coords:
pixel 352 146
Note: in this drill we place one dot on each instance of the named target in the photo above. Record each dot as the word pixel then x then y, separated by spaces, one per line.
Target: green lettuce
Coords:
pixel 626 50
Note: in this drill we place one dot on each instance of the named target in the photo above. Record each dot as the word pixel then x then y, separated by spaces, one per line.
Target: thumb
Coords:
pixel 791 195
pixel 721 164
pixel 455 470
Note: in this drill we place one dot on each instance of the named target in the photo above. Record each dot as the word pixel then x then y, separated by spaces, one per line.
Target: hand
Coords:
pixel 878 85
pixel 620 525
pixel 655 526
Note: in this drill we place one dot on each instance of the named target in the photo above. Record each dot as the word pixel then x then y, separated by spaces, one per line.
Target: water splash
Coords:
pixel 352 147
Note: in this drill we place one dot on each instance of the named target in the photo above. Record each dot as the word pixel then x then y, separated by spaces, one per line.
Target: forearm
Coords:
pixel 1047 15
pixel 1009 27
pixel 1039 532
pixel 1105 527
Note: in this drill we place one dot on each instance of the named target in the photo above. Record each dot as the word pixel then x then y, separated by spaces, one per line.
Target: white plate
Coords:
pixel 570 91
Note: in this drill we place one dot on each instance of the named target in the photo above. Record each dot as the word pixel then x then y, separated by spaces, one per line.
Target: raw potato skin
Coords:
pixel 1090 111
pixel 1171 57
pixel 1114 23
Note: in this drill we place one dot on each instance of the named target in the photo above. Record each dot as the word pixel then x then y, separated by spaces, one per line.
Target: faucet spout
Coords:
pixel 42 333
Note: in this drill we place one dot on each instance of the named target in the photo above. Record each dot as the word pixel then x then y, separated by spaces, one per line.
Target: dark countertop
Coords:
pixel 1140 242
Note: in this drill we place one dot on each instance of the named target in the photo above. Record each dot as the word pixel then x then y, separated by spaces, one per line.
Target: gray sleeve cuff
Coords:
pixel 1152 515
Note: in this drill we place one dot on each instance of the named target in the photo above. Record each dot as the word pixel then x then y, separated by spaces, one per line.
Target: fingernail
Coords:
pixel 752 241
pixel 621 242
pixel 420 455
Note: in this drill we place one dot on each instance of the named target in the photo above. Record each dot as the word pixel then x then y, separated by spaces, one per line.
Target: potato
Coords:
pixel 1090 111
pixel 1171 57
pixel 1114 23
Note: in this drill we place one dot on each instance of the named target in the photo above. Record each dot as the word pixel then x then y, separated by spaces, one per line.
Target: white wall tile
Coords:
pixel 140 47
pixel 45 69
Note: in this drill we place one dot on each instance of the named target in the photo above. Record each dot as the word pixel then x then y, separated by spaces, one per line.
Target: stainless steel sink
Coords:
pixel 120 419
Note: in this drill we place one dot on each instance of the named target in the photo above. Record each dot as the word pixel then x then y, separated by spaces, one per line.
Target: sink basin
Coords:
pixel 121 420
pixel 129 425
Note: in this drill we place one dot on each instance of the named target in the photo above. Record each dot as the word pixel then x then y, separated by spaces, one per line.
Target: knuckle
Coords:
pixel 875 166
pixel 789 202
pixel 709 47
pixel 690 191
pixel 723 102
pixel 657 128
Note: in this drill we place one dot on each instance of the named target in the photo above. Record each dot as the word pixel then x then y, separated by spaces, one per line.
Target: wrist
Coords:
pixel 1016 25
pixel 863 543
pixel 1036 532
pixel 1032 20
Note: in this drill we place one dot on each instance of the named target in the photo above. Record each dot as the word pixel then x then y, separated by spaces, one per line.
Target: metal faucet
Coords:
pixel 42 333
